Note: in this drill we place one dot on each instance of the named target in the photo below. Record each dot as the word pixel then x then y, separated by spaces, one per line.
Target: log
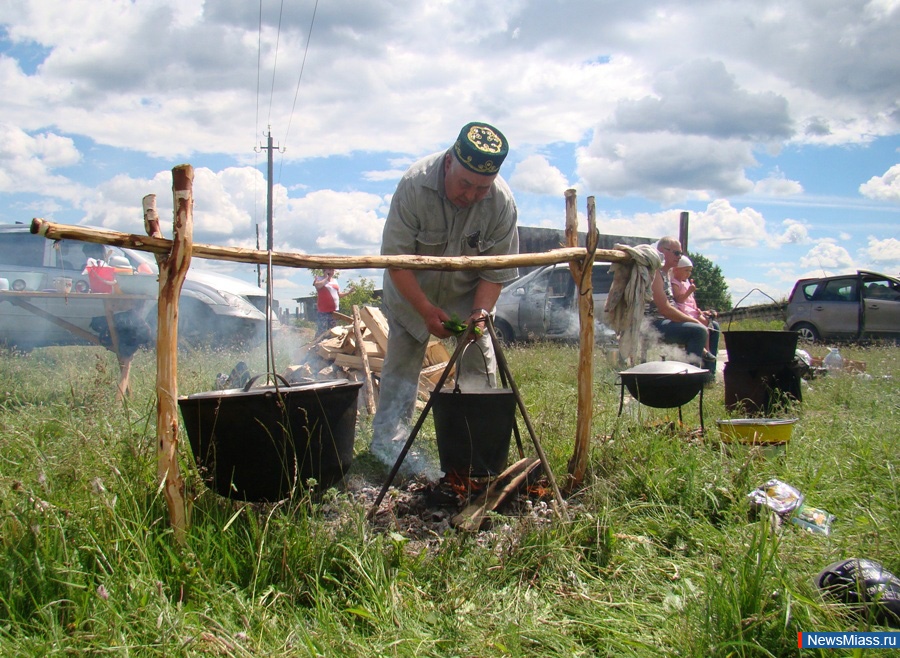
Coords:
pixel 162 246
pixel 355 361
pixel 436 353
pixel 377 324
pixel 581 271
pixel 364 357
pixel 172 272
pixel 474 514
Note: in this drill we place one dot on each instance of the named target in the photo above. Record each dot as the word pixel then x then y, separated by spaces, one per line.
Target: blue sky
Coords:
pixel 776 126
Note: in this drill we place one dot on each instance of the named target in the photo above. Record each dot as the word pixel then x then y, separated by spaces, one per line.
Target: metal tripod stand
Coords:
pixel 506 378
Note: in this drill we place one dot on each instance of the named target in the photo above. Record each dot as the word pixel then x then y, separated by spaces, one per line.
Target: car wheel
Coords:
pixel 504 332
pixel 807 332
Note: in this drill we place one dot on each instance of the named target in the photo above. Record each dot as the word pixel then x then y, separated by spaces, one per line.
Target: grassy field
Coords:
pixel 660 555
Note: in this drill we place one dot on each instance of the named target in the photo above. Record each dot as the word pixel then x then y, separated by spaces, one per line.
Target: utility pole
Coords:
pixel 269 223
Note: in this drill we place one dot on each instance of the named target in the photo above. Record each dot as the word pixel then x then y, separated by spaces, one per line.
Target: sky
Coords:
pixel 775 125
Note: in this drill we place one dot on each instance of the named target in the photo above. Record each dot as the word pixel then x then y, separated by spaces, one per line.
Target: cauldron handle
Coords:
pixel 252 381
pixel 734 308
pixel 459 367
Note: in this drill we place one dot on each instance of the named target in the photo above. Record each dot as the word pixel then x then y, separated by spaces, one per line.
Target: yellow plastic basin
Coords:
pixel 756 431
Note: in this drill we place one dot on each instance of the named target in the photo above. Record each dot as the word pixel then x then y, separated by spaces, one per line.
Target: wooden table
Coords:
pixel 82 307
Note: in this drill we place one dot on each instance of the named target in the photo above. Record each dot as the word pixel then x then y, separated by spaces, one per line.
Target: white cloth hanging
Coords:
pixel 629 293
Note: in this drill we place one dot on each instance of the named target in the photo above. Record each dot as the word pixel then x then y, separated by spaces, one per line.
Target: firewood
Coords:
pixel 377 324
pixel 436 353
pixel 364 357
pixel 507 483
pixel 355 361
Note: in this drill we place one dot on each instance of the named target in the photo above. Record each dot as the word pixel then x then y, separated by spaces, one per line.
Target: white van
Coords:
pixel 214 309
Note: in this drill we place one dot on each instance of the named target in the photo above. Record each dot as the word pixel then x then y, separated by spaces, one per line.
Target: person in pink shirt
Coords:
pixel 683 291
pixel 328 299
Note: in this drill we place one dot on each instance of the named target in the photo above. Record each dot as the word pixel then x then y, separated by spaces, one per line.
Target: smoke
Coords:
pixel 416 464
pixel 654 342
pixel 391 428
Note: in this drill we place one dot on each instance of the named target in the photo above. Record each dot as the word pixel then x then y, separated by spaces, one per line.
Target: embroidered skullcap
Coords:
pixel 481 148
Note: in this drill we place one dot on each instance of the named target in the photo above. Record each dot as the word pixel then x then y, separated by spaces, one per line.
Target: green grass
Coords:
pixel 659 557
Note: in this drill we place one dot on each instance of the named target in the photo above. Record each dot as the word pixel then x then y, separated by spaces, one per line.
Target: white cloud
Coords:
pixel 794 232
pixel 536 175
pixel 664 166
pixel 884 253
pixel 746 293
pixel 827 256
pixel 886 187
pixel 723 223
pixel 777 185
pixel 326 221
pixel 27 163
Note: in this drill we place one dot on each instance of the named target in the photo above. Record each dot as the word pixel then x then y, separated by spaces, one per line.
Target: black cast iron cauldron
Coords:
pixel 758 347
pixel 664 384
pixel 473 428
pixel 254 444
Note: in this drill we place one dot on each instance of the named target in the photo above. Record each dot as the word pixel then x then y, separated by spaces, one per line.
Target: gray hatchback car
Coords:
pixel 849 306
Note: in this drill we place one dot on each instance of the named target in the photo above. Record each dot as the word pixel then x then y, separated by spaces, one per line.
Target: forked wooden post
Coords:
pixel 581 272
pixel 173 269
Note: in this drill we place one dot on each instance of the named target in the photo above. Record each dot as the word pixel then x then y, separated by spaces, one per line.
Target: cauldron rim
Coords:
pixel 664 368
pixel 324 385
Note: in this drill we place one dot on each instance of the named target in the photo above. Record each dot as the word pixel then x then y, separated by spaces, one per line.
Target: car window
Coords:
pixel 837 290
pixel 881 289
pixel 560 280
pixel 70 256
pixel 809 290
pixel 538 285
pixel 22 249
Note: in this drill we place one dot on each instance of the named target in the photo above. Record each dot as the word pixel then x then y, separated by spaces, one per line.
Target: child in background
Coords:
pixel 683 291
pixel 328 299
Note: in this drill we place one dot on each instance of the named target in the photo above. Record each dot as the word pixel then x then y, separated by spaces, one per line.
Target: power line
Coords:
pixel 256 123
pixel 275 61
pixel 258 66
pixel 312 22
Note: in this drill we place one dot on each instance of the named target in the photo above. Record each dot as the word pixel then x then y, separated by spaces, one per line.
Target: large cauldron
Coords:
pixel 756 347
pixel 254 443
pixel 664 384
pixel 473 430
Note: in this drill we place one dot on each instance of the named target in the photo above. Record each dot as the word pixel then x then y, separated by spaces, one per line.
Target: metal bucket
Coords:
pixel 473 430
pixel 254 444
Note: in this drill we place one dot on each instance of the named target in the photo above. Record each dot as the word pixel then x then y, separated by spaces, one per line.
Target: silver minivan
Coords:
pixel 213 308
pixel 850 306
pixel 542 305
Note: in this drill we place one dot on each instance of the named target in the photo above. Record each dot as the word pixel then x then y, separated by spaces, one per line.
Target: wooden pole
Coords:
pixel 585 412
pixel 172 272
pixel 162 246
pixel 683 231
pixel 367 371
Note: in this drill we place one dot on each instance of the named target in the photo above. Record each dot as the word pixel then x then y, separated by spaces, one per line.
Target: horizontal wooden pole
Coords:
pixel 55 231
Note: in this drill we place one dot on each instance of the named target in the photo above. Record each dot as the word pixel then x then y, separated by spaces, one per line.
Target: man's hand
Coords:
pixel 434 318
pixel 479 317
